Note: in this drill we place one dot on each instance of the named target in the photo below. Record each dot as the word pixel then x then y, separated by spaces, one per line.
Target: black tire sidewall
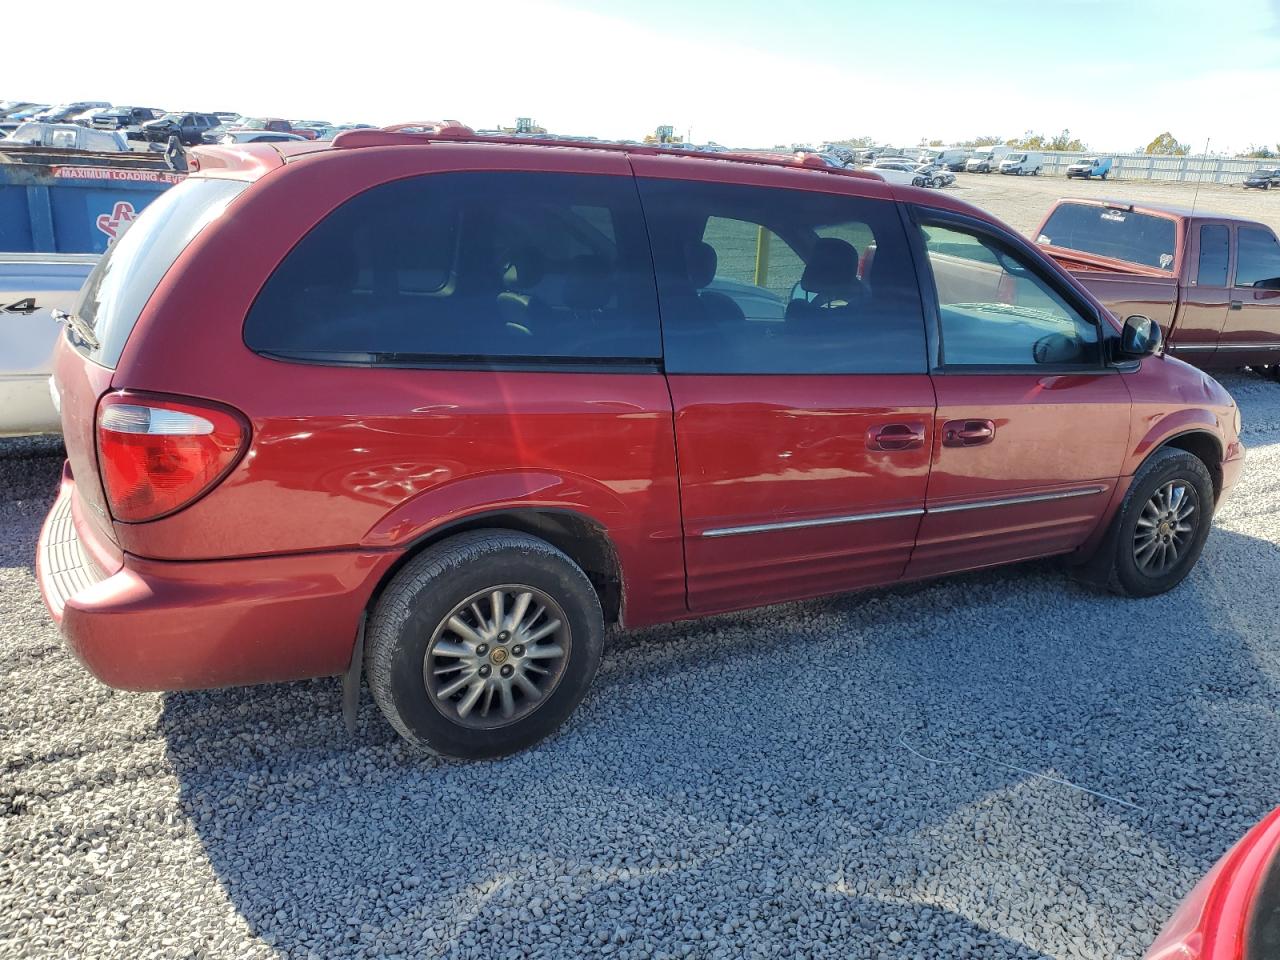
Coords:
pixel 431 599
pixel 1172 465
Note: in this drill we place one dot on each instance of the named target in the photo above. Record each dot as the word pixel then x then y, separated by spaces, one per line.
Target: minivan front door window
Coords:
pixel 995 309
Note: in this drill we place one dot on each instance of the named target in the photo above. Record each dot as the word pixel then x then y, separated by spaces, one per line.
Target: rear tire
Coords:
pixel 484 644
pixel 1160 529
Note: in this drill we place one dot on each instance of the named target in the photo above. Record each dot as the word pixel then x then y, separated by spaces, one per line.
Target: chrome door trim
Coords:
pixel 1014 501
pixel 1089 491
pixel 816 522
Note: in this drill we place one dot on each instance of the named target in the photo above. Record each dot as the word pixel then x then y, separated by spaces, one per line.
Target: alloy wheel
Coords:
pixel 1166 527
pixel 496 657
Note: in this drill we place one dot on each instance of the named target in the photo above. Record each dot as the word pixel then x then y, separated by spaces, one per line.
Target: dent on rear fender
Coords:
pixel 485 493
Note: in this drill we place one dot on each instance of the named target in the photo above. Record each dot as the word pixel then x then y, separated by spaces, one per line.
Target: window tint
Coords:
pixel 469 266
pixel 1214 252
pixel 997 310
pixel 762 280
pixel 1257 259
pixel 1112 232
pixel 128 273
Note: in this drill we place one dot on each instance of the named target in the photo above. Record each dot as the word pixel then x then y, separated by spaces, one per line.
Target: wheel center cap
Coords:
pixel 499 655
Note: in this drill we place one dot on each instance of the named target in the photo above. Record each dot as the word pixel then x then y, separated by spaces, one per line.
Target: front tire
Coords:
pixel 484 644
pixel 1160 530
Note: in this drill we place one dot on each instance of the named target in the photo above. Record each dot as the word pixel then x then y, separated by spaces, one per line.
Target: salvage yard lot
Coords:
pixel 1003 764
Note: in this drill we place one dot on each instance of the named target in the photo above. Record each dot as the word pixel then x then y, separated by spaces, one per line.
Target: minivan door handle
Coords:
pixel 1237 305
pixel 896 436
pixel 967 433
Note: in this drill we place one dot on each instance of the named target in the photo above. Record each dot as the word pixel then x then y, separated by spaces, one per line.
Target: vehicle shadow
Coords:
pixel 29 471
pixel 1005 763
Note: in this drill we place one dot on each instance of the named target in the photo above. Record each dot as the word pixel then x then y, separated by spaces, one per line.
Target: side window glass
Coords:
pixel 1214 253
pixel 1257 259
pixel 775 281
pixel 471 267
pixel 997 310
pixel 753 255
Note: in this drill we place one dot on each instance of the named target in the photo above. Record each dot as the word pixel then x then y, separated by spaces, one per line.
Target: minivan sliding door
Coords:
pixel 794 345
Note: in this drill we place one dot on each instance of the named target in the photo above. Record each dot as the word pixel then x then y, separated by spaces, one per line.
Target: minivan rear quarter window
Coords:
pixel 1112 232
pixel 468 267
pixel 133 266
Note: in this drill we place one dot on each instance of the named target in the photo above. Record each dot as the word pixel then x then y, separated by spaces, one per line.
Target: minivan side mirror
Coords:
pixel 1141 337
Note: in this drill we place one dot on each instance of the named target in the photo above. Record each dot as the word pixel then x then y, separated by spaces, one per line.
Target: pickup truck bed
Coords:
pixel 32 285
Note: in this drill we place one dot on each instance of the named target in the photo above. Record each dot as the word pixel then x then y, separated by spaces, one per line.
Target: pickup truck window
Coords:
pixel 1215 251
pixel 1257 259
pixel 997 310
pixel 1112 232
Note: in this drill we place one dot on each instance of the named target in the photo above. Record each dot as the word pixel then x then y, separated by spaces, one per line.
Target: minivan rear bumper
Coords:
pixel 159 625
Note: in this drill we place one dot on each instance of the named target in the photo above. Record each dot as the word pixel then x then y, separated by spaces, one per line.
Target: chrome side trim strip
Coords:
pixel 816 522
pixel 912 512
pixel 1186 347
pixel 1013 501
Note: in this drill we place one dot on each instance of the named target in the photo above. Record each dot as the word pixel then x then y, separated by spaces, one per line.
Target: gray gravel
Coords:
pixel 840 778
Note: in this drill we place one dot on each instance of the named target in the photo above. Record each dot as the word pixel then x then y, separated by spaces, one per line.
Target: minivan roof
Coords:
pixel 250 161
pixel 253 162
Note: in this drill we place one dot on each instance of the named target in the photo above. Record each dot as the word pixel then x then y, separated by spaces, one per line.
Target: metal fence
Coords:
pixel 1140 166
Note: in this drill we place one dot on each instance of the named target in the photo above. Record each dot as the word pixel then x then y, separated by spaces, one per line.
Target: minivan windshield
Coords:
pixel 1112 232
pixel 131 269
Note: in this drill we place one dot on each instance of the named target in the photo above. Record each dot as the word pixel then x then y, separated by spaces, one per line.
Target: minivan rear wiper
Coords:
pixel 81 329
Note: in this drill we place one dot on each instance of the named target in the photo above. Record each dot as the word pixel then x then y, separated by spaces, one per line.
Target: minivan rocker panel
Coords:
pixel 416 390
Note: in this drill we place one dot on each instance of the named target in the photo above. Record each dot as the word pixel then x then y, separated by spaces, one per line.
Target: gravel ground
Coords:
pixel 995 765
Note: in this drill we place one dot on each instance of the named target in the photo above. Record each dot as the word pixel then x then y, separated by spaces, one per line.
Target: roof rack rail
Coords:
pixel 423 132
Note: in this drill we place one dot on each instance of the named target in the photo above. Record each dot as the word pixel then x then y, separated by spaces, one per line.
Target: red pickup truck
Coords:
pixel 1212 282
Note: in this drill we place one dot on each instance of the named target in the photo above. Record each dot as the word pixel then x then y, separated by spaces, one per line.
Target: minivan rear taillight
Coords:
pixel 157 454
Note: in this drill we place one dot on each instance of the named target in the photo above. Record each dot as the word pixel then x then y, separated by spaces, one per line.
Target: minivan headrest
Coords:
pixel 700 262
pixel 832 267
pixel 526 267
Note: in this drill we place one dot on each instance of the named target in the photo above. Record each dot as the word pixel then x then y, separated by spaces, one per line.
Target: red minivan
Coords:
pixel 438 408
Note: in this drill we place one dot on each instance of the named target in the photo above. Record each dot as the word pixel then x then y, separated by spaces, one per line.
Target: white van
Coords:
pixel 1023 162
pixel 952 158
pixel 987 159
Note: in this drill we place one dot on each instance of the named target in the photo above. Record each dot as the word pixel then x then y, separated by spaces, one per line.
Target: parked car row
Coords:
pixel 152 125
pixel 910 172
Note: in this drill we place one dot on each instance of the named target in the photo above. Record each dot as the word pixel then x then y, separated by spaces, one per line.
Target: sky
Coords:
pixel 745 73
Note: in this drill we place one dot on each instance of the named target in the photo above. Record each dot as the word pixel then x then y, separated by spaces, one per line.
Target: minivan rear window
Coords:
pixel 468 267
pixel 1112 232
pixel 133 266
